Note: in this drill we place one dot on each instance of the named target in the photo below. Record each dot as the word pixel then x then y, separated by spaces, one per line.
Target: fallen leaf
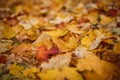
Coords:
pixel 28 22
pixel 113 12
pixel 30 72
pixel 64 73
pixel 92 63
pixel 105 19
pixel 2 59
pixel 116 48
pixel 92 16
pixel 56 33
pixel 43 39
pixel 88 39
pixel 72 43
pixel 4 46
pixel 15 69
pixel 11 21
pixel 43 54
pixel 97 41
pixel 22 49
pixel 74 29
pixel 81 51
pixel 9 31
pixel 57 61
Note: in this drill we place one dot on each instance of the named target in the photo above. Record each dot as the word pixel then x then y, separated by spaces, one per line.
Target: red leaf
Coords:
pixel 12 21
pixel 3 59
pixel 43 54
pixel 113 12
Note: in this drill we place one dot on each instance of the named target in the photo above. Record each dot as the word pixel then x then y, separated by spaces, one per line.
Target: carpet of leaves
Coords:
pixel 59 40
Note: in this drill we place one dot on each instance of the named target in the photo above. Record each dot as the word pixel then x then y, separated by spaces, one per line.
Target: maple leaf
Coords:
pixel 57 61
pixel 43 53
pixel 43 39
pixel 2 59
pixel 30 72
pixel 105 19
pixel 74 28
pixel 56 33
pixel 15 69
pixel 87 40
pixel 92 16
pixel 92 63
pixel 81 51
pixel 4 46
pixel 116 48
pixel 68 45
pixel 9 31
pixel 22 49
pixel 113 12
pixel 56 74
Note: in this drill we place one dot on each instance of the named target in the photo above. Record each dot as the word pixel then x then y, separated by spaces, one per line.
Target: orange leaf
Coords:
pixel 43 54
pixel 22 48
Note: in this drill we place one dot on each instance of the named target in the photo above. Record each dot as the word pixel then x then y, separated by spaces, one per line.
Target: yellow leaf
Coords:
pixel 43 39
pixel 56 33
pixel 15 69
pixel 72 43
pixel 86 41
pixel 18 9
pixel 71 73
pixel 116 48
pixel 9 31
pixel 93 16
pixel 56 74
pixel 105 20
pixel 92 63
pixel 49 74
pixel 89 38
pixel 68 45
pixel 30 72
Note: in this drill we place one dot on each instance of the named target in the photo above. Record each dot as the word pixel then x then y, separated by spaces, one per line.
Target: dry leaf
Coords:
pixel 43 54
pixel 43 39
pixel 81 51
pixel 22 49
pixel 9 31
pixel 93 16
pixel 105 19
pixel 92 63
pixel 57 62
pixel 116 48
pixel 64 73
pixel 72 43
pixel 56 33
pixel 4 46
